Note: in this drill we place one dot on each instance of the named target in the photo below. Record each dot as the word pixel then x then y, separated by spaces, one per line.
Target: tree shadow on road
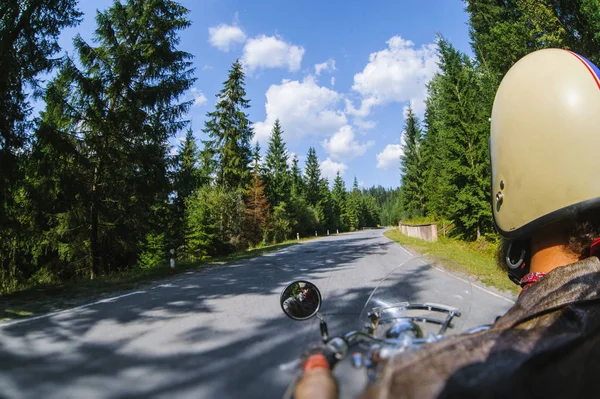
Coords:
pixel 176 340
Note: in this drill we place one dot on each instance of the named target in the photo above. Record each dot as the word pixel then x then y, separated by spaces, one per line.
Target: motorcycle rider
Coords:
pixel 303 304
pixel 544 144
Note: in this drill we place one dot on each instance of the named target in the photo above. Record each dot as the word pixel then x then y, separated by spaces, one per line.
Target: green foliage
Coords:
pixel 277 174
pixel 297 186
pixel 186 180
pixel 212 221
pixel 29 34
pixel 312 178
pixel 281 223
pixel 339 198
pixel 413 167
pixel 153 251
pixel 101 147
pixel 502 32
pixel 227 153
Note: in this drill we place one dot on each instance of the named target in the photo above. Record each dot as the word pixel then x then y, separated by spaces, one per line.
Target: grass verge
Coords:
pixel 53 297
pixel 476 258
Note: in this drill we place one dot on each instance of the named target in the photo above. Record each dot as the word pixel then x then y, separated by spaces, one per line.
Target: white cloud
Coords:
pixel 330 168
pixel 332 81
pixel 199 97
pixel 327 66
pixel 364 125
pixel 343 146
pixel 389 158
pixel 271 52
pixel 303 108
pixel 223 36
pixel 396 74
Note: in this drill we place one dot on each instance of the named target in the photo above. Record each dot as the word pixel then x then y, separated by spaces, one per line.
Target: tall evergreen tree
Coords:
pixel 29 32
pixel 230 133
pixel 277 174
pixel 256 167
pixel 354 207
pixel 113 118
pixel 186 181
pixel 339 198
pixel 312 177
pixel 435 185
pixel 464 119
pixel 324 207
pixel 297 186
pixel 412 166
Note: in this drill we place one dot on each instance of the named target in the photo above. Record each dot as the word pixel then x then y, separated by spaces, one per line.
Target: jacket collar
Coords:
pixel 574 283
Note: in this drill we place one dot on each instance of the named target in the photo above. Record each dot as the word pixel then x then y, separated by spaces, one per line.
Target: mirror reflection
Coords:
pixel 301 300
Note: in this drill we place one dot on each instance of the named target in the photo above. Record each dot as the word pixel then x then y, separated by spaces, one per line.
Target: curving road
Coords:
pixel 216 333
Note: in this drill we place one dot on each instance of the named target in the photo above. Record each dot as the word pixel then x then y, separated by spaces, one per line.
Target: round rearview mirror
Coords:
pixel 300 300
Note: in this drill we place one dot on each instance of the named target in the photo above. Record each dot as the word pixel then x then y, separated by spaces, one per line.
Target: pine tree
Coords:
pixel 312 177
pixel 324 207
pixel 187 180
pixel 435 185
pixel 339 198
pixel 412 167
pixel 116 136
pixel 297 188
pixel 29 34
pixel 464 120
pixel 277 174
pixel 354 208
pixel 256 167
pixel 230 133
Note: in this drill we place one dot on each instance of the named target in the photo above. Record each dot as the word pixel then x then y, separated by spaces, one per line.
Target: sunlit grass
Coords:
pixel 477 258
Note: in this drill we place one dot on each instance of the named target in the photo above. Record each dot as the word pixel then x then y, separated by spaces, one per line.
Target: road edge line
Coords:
pixel 46 315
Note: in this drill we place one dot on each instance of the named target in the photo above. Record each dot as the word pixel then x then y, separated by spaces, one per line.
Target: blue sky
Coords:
pixel 338 74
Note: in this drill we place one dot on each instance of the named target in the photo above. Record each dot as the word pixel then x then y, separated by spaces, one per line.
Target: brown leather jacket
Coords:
pixel 546 345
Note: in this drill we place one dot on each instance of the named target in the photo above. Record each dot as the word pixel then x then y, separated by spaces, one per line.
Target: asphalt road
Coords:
pixel 217 333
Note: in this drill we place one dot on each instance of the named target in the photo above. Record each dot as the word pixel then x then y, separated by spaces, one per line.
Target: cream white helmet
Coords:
pixel 545 141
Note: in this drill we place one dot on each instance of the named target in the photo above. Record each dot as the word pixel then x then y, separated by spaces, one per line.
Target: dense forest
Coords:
pixel 445 164
pixel 89 186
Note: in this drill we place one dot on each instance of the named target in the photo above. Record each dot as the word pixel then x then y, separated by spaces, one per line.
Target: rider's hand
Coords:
pixel 320 349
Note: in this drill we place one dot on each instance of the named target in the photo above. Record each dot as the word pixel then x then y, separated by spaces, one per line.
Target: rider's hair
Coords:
pixel 581 229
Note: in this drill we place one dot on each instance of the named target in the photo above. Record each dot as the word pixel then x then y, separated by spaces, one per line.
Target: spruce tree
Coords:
pixel 230 133
pixel 339 198
pixel 464 120
pixel 186 181
pixel 112 113
pixel 297 186
pixel 312 177
pixel 412 166
pixel 29 32
pixel 277 174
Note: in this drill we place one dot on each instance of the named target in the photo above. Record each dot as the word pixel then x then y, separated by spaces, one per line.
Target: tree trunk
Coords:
pixel 478 231
pixel 94 229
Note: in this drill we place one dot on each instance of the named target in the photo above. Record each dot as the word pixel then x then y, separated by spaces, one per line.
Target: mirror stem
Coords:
pixel 323 326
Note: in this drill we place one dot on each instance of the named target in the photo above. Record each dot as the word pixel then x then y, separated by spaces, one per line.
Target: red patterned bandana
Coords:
pixel 529 280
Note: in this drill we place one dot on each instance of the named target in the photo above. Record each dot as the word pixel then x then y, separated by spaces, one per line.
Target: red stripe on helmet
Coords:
pixel 588 68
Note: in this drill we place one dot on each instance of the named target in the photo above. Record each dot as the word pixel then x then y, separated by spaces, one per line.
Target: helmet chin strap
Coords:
pixel 517 267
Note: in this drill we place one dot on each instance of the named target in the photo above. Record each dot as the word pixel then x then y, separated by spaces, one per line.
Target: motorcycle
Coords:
pixel 422 301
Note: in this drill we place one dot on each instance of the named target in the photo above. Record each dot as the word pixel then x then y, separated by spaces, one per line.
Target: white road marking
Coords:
pixel 475 285
pixel 43 316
